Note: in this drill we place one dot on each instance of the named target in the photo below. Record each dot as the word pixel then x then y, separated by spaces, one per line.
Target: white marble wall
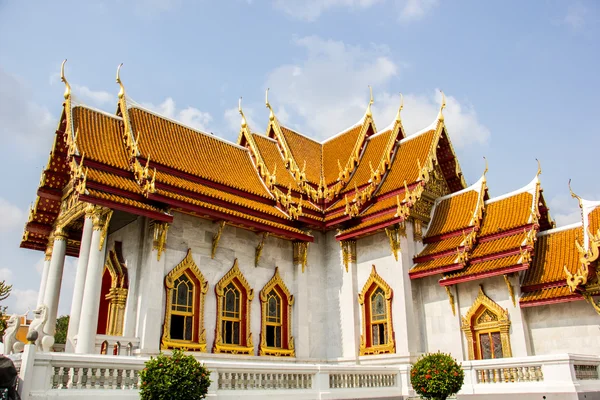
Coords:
pixel 572 327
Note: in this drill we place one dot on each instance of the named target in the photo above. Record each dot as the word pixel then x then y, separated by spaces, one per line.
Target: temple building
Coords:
pixel 368 247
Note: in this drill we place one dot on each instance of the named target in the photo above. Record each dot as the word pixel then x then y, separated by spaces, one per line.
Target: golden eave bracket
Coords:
pixel 301 254
pixel 217 238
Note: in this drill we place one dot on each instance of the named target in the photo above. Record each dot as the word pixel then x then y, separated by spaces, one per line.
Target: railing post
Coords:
pixel 26 372
pixel 470 378
pixel 560 372
pixel 321 382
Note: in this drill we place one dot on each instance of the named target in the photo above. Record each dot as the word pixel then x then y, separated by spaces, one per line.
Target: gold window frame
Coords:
pixel 117 294
pixel 364 301
pixel 220 347
pixel 186 265
pixel 289 350
pixel 497 321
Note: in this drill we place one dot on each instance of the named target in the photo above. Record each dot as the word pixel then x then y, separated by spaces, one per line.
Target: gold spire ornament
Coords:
pixel 244 123
pixel 400 108
pixel 369 113
pixel 268 105
pixel 442 106
pixel 539 171
pixel 67 94
pixel 121 87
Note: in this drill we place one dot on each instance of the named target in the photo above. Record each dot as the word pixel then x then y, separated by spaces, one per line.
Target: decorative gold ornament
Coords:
pixel 159 241
pixel 300 253
pixel 483 317
pixel 235 277
pixel 442 106
pixel 348 252
pixel 117 294
pixel 192 273
pixel 450 299
pixel 131 143
pixel 217 238
pixel 259 248
pixel 394 233
pixel 511 291
pixel 60 234
pixel 588 297
pixel 284 323
pixel 364 299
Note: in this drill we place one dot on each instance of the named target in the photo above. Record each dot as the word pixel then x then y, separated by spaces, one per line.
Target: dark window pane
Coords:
pixel 497 344
pixel 485 345
pixel 177 322
pixel 278 336
pixel 182 294
pixel 188 328
pixel 236 333
pixel 378 305
pixel 270 336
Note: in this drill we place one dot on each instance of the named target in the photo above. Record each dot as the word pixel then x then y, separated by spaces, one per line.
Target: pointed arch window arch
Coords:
pixel 276 321
pixel 376 303
pixel 486 326
pixel 184 314
pixel 234 298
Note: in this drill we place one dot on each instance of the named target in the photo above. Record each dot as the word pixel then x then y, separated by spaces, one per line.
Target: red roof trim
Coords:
pixel 481 275
pixel 369 229
pixel 129 209
pixel 435 271
pixel 502 234
pixel 543 302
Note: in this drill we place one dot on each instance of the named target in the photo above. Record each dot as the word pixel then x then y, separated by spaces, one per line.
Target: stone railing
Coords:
pixel 585 372
pixel 362 380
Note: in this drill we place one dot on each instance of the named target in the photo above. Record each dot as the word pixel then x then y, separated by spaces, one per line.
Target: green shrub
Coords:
pixel 436 376
pixel 176 377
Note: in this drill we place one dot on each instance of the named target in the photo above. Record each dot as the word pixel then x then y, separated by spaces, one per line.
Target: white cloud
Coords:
pixel 346 71
pixel 11 216
pixel 311 10
pixel 23 121
pixel 189 116
pixel 575 17
pixel 97 97
pixel 564 210
pixel 6 275
pixel 22 301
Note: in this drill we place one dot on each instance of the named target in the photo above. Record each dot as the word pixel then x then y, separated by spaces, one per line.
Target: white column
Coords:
pixel 152 294
pixel 520 339
pixel 54 281
pixel 403 313
pixel 82 265
pixel 47 257
pixel 347 305
pixel 88 322
pixel 300 314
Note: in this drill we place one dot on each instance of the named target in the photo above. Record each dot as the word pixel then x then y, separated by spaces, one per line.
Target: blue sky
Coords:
pixel 521 79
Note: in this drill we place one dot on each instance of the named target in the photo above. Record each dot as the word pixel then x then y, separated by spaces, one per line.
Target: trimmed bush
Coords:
pixel 176 377
pixel 436 376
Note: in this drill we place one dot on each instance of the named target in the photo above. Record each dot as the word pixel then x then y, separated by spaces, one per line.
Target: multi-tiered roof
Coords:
pixel 359 182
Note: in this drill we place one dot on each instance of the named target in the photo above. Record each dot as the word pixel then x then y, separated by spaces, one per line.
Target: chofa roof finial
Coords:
pixel 122 88
pixel 64 79
pixel 369 114
pixel 244 123
pixel 573 195
pixel 271 114
pixel 539 171
pixel 400 108
pixel 486 166
pixel 442 106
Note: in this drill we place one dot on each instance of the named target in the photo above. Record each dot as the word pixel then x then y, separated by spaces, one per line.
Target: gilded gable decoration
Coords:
pixel 394 234
pixel 348 252
pixel 375 300
pixel 234 299
pixel 276 320
pixel 259 248
pixel 217 238
pixel 450 299
pixel 486 327
pixel 159 241
pixel 117 294
pixel 300 254
pixel 511 291
pixel 184 315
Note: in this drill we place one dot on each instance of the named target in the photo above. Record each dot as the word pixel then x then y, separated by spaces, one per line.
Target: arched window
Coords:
pixel 113 294
pixel 276 305
pixel 486 327
pixel 234 297
pixel 184 317
pixel 376 302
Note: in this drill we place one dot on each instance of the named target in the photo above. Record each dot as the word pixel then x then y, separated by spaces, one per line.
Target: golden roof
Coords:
pixel 435 263
pixel 453 213
pixel 274 161
pixel 499 245
pixel 505 214
pixel 339 149
pixel 372 155
pixel 306 150
pixel 552 293
pixel 486 267
pixel 554 250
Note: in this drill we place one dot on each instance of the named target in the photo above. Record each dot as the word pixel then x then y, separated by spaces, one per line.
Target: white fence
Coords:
pixel 63 375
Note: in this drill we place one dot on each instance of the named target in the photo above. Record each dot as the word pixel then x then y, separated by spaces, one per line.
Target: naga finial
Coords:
pixel 122 88
pixel 442 106
pixel 573 195
pixel 400 108
pixel 271 114
pixel 64 79
pixel 539 171
pixel 369 114
pixel 486 166
pixel 244 123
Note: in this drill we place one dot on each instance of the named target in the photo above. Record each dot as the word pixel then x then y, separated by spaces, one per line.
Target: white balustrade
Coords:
pixel 586 372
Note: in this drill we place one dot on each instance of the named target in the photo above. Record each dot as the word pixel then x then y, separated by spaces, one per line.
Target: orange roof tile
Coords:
pixel 122 200
pixel 506 214
pixel 404 167
pixel 274 160
pixel 113 180
pixel 450 243
pixel 553 251
pixel 558 292
pixel 100 137
pixel 498 245
pixel 200 154
pixel 379 205
pixel 453 213
pixel 372 153
pixel 305 149
pixel 594 220
pixel 435 263
pixel 486 266
pixel 371 222
pixel 338 148
pixel 218 194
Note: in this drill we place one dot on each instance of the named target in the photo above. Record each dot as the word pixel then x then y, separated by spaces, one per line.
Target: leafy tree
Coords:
pixel 62 325
pixel 436 376
pixel 176 377
pixel 4 293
